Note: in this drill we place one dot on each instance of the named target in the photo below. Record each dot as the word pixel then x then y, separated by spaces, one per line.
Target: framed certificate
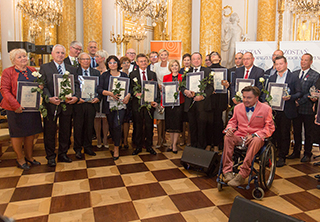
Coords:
pixel 28 100
pixel 241 83
pixel 232 74
pixel 150 94
pixel 277 91
pixel 168 91
pixel 220 75
pixel 124 84
pixel 193 81
pixel 57 79
pixel 88 85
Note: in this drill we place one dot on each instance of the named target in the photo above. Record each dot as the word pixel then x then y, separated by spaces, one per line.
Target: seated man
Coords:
pixel 253 120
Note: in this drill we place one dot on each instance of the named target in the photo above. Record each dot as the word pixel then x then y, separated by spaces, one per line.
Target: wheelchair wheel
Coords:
pixel 267 167
pixel 258 193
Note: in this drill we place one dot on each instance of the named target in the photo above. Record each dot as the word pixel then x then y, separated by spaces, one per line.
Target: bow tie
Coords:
pixel 250 108
pixel 132 63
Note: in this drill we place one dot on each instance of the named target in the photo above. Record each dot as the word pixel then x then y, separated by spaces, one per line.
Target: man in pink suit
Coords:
pixel 253 120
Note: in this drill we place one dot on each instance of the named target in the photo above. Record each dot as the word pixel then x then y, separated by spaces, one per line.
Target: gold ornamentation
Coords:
pixel 226 8
pixel 266 20
pixel 280 11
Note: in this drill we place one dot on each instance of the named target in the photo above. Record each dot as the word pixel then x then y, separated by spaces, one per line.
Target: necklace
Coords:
pixel 24 73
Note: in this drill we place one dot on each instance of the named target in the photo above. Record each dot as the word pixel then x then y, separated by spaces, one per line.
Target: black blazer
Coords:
pixel 136 74
pixel 47 70
pixel 67 61
pixel 294 85
pixel 204 105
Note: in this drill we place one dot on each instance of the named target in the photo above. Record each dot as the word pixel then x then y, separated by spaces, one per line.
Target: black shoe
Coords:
pixel 115 157
pixel 281 162
pixel 52 162
pixel 305 159
pixel 34 162
pixel 64 158
pixel 175 152
pixel 136 151
pixel 317 176
pixel 169 150
pixel 293 156
pixel 24 166
pixel 79 155
pixel 90 152
pixel 126 147
pixel 151 151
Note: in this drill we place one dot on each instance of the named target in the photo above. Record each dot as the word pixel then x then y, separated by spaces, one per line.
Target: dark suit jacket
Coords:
pixel 151 77
pixel 67 61
pixel 47 70
pixel 294 85
pixel 310 79
pixel 204 105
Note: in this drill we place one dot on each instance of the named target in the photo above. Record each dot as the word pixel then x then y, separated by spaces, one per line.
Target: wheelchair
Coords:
pixel 262 177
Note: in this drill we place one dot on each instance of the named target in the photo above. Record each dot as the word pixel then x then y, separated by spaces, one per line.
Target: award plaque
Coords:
pixel 193 81
pixel 169 90
pixel 124 84
pixel 57 79
pixel 149 91
pixel 28 100
pixel 241 83
pixel 88 85
pixel 220 76
pixel 277 91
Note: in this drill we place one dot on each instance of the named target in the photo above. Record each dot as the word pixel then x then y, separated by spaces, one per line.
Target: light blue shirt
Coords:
pixel 283 78
pixel 63 68
pixel 88 74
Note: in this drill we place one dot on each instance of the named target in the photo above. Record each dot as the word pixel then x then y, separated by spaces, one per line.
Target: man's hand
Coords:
pixel 19 110
pixel 249 139
pixel 80 101
pixel 154 104
pixel 138 95
pixel 235 101
pixel 189 93
pixel 297 103
pixel 54 100
pixel 95 100
pixel 230 131
pixel 198 98
pixel 225 84
pixel 126 99
pixel 313 99
pixel 72 100
pixel 286 98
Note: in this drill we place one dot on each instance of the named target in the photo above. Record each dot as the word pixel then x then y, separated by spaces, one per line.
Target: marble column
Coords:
pixel 210 27
pixel 181 23
pixel 67 29
pixel 267 10
pixel 92 22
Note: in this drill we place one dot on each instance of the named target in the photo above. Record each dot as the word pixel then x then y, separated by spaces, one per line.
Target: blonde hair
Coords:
pixel 14 52
pixel 171 63
pixel 163 50
pixel 102 53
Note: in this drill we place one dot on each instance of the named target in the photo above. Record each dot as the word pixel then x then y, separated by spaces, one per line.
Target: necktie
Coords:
pixel 144 76
pixel 249 108
pixel 93 62
pixel 85 72
pixel 247 74
pixel 60 70
pixel 302 75
pixel 196 70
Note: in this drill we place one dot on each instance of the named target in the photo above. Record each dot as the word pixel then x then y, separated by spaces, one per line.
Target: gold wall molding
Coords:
pixel 210 27
pixel 92 22
pixel 266 20
pixel 181 23
pixel 157 31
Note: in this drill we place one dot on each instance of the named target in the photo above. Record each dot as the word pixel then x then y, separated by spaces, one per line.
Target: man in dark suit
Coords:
pixel 84 112
pixel 198 107
pixel 247 71
pixel 92 49
pixel 272 70
pixel 55 111
pixel 283 118
pixel 237 61
pixel 131 54
pixel 141 118
pixel 308 78
pixel 153 57
pixel 74 51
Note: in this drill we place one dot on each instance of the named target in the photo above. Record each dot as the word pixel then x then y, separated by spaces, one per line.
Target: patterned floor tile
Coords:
pixel 122 212
pixel 73 216
pixel 138 178
pixel 283 186
pixel 5 195
pixel 171 217
pixel 32 192
pixel 102 171
pixel 146 191
pixel 36 179
pixel 105 182
pixel 109 196
pixel 170 174
pixel 178 186
pixel 303 200
pixel 75 165
pixel 100 162
pixel 70 187
pixel 70 175
pixel 160 165
pixel 226 196
pixel 132 168
pixel 70 202
pixel 305 182
pixel 8 182
pixel 209 214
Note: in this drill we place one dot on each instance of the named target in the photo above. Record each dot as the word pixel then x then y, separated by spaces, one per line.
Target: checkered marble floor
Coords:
pixel 140 188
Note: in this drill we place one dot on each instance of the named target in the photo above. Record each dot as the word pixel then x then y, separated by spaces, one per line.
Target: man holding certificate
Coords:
pixel 84 112
pixel 143 117
pixel 198 107
pixel 54 108
pixel 283 118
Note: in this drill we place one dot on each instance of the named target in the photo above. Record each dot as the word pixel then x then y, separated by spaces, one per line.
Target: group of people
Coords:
pixel 201 115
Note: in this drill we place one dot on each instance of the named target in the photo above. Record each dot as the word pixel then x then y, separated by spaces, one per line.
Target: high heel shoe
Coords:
pixel 34 162
pixel 24 166
pixel 114 157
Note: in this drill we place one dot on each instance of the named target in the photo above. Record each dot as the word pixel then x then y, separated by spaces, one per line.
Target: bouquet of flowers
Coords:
pixel 268 96
pixel 42 108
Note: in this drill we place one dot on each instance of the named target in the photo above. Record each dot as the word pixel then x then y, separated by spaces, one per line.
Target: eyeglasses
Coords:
pixel 207 60
pixel 112 63
pixel 153 57
pixel 77 49
pixel 126 63
pixel 131 53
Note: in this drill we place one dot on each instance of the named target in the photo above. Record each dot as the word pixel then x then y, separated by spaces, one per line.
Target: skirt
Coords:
pixel 24 124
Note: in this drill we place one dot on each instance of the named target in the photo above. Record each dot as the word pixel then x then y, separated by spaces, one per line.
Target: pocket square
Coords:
pixel 259 116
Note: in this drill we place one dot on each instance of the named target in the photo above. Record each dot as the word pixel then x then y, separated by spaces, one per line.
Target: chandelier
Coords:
pixel 305 9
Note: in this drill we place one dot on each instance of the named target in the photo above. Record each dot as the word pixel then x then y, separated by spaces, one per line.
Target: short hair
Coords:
pixel 186 55
pixel 115 58
pixel 214 52
pixel 153 52
pixel 102 53
pixel 123 59
pixel 92 41
pixel 83 53
pixel 249 53
pixel 14 52
pixel 238 53
pixel 171 62
pixel 196 53
pixel 163 50
pixel 58 45
pixel 308 54
pixel 73 43
pixel 141 55
pixel 281 57
pixel 255 90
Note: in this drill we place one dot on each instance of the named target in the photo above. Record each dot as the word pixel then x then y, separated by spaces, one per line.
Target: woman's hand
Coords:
pixel 19 110
pixel 126 99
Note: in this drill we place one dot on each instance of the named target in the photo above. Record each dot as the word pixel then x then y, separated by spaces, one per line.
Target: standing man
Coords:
pixel 308 78
pixel 198 107
pixel 283 118
pixel 153 57
pixel 74 51
pixel 131 54
pixel 237 61
pixel 47 70
pixel 272 70
pixel 92 49
pixel 84 112
pixel 253 120
pixel 143 119
pixel 247 71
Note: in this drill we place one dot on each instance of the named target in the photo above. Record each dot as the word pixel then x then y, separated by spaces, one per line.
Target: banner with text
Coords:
pixel 173 47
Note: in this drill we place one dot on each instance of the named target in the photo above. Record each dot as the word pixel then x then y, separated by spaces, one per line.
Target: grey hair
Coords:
pixel 83 53
pixel 73 43
pixel 102 53
pixel 14 52
pixel 58 45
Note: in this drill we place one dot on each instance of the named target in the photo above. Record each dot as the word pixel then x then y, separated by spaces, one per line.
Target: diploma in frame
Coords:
pixel 150 94
pixel 277 91
pixel 57 79
pixel 193 81
pixel 241 83
pixel 168 91
pixel 220 75
pixel 124 84
pixel 88 85
pixel 28 100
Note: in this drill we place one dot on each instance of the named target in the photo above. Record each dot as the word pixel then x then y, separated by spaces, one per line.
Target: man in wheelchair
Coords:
pixel 251 122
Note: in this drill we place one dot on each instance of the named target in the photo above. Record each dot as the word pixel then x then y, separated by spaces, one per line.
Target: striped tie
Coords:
pixel 60 70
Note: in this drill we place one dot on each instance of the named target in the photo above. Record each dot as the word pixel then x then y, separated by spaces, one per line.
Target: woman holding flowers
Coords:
pixel 23 126
pixel 114 109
